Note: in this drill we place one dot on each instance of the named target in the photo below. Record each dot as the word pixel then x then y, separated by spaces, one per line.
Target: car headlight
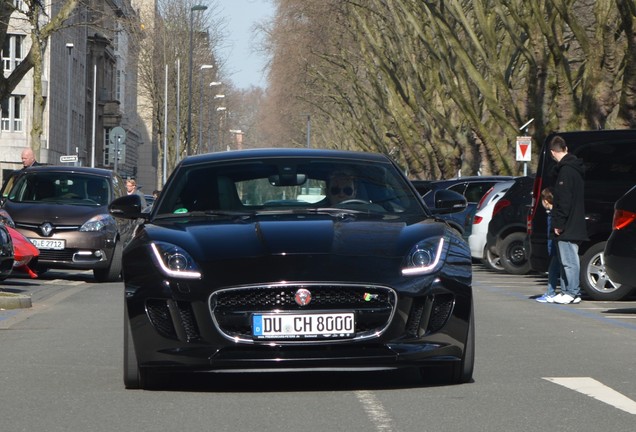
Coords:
pixel 5 218
pixel 98 223
pixel 174 261
pixel 427 256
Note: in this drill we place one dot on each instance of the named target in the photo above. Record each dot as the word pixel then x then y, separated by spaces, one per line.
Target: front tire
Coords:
pixel 112 273
pixel 595 280
pixel 491 260
pixel 132 373
pixel 458 372
pixel 513 255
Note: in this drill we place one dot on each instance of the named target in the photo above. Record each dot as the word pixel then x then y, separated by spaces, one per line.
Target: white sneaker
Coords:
pixel 564 299
pixel 576 300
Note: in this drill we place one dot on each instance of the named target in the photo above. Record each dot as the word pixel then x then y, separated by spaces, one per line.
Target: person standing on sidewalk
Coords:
pixel 568 218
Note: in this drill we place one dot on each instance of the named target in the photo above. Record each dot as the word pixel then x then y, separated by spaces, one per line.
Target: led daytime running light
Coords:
pixel 419 270
pixel 169 272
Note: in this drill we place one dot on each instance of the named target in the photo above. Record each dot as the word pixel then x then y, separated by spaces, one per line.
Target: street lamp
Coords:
pixel 221 111
pixel 216 97
pixel 192 10
pixel 199 144
pixel 69 46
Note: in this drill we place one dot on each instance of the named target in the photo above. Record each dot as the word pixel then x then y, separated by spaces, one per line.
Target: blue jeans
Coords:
pixel 570 267
pixel 554 273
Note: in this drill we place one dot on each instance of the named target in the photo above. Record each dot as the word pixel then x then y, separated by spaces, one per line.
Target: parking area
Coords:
pixel 532 285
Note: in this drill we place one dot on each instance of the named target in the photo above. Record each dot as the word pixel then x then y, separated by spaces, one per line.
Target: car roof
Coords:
pixel 283 153
pixel 436 184
pixel 67 169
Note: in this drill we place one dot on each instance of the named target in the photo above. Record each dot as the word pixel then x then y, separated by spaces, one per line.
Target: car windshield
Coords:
pixel 302 185
pixel 61 188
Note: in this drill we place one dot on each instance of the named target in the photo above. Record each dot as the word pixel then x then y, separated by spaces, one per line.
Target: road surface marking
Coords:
pixel 597 390
pixel 375 411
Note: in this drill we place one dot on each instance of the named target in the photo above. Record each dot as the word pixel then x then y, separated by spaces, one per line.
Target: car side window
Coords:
pixel 475 191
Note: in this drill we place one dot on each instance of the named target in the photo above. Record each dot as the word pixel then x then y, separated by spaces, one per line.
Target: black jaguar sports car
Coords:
pixel 292 260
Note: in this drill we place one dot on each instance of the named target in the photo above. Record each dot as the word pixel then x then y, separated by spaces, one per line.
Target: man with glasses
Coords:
pixel 341 187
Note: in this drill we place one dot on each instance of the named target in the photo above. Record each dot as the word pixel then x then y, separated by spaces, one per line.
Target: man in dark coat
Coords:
pixel 28 158
pixel 568 218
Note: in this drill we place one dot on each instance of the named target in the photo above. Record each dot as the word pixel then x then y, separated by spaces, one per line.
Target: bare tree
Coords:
pixel 444 86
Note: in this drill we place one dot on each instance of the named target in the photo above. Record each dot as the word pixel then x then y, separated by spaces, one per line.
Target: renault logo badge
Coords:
pixel 46 229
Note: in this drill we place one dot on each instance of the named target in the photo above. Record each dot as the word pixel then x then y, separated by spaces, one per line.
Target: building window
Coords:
pixel 12 51
pixel 119 83
pixel 11 120
pixel 107 161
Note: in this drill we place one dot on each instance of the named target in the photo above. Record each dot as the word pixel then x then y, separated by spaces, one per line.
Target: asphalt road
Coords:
pixel 538 368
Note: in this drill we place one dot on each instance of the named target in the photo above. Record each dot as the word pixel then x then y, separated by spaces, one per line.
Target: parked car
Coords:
pixel 610 171
pixel 473 188
pixel 479 231
pixel 422 186
pixel 620 249
pixel 506 236
pixel 6 252
pixel 63 211
pixel 231 270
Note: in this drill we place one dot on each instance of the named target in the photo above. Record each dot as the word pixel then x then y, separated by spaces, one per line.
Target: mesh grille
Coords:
pixel 441 311
pixel 57 255
pixel 322 297
pixel 188 321
pixel 232 308
pixel 159 314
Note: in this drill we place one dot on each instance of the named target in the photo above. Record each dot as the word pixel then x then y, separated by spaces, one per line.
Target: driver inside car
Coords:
pixel 341 187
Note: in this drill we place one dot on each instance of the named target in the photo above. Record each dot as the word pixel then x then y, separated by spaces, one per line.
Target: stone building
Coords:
pixel 89 83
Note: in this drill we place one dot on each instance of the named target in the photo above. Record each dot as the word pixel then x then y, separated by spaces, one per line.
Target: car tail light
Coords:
pixel 477 220
pixel 622 218
pixel 536 193
pixel 483 199
pixel 501 204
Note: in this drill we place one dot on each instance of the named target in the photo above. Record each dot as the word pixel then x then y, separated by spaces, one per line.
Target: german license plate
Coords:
pixel 303 326
pixel 48 243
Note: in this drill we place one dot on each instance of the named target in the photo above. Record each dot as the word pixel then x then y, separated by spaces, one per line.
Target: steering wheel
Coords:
pixel 353 201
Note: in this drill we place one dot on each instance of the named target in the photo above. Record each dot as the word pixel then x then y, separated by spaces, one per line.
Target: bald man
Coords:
pixel 28 158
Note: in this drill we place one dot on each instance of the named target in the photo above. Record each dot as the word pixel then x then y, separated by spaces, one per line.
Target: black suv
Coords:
pixel 506 236
pixel 610 171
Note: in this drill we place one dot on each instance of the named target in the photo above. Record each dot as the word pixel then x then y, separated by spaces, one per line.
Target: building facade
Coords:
pixel 89 85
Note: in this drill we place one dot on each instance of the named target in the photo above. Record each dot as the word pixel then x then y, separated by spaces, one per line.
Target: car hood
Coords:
pixel 60 214
pixel 297 236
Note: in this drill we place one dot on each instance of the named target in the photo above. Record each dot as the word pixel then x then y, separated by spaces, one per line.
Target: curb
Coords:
pixel 14 301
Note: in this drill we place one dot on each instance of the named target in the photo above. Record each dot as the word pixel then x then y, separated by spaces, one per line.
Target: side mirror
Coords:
pixel 448 201
pixel 127 207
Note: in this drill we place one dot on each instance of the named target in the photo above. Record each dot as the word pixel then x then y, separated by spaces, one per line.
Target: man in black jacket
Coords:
pixel 568 218
pixel 28 158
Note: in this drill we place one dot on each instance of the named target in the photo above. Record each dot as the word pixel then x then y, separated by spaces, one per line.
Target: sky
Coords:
pixel 243 66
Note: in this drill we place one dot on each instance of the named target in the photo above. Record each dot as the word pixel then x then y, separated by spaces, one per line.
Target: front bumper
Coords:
pixel 183 335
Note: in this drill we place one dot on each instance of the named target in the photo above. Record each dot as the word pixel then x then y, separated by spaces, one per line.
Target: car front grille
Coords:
pixel 173 320
pixel 64 255
pixel 232 308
